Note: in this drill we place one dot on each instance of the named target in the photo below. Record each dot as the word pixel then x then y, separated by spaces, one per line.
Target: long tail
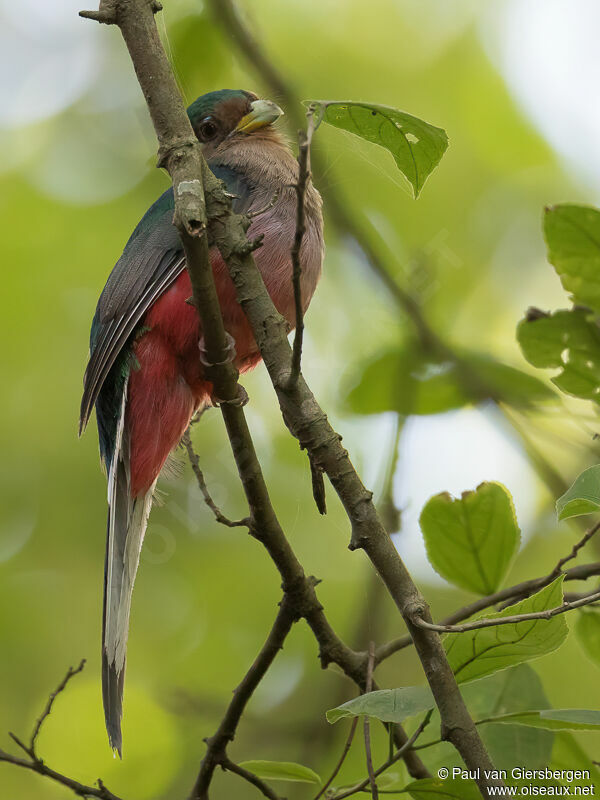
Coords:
pixel 127 521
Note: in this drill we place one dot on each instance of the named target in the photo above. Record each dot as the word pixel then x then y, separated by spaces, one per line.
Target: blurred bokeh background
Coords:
pixel 513 82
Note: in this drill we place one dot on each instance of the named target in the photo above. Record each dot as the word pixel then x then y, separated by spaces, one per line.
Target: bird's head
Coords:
pixel 223 117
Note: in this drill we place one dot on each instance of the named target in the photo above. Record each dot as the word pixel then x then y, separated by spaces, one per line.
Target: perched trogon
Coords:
pixel 145 373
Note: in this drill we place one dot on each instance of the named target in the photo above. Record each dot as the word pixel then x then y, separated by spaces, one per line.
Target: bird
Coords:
pixel 145 375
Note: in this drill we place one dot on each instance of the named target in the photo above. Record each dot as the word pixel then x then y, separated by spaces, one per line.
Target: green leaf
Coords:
pixel 417 146
pixel 572 234
pixel 437 789
pixel 472 540
pixel 569 754
pixel 408 381
pixel 281 771
pixel 512 690
pixel 387 705
pixel 473 654
pixel 515 689
pixel 509 691
pixel 552 719
pixel 569 341
pixel 583 497
pixel 587 633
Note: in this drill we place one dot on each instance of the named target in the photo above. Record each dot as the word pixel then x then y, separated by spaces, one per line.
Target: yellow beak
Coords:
pixel 264 112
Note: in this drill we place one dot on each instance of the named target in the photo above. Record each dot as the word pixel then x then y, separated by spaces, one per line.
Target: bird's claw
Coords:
pixel 241 397
pixel 229 348
pixel 239 401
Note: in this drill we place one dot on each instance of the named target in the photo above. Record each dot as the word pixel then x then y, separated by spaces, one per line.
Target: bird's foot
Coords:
pixel 240 400
pixel 241 397
pixel 229 348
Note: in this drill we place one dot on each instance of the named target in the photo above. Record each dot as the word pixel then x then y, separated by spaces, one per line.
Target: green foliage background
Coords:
pixel 470 248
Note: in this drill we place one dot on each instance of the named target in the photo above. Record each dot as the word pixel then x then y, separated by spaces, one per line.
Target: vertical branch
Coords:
pixel 216 751
pixel 309 424
pixel 366 726
pixel 304 141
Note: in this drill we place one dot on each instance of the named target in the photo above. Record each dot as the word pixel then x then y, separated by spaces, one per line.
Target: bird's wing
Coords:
pixel 152 260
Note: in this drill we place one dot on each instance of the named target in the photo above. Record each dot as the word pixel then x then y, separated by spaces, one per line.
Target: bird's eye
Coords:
pixel 207 129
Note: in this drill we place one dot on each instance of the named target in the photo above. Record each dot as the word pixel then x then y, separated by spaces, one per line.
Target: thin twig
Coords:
pixel 46 712
pixel 266 790
pixel 304 141
pixel 408 745
pixel 216 746
pixel 194 461
pixel 511 593
pixel 341 760
pixel 367 725
pixel 80 789
pixel 35 764
pixel 515 619
pixel 573 554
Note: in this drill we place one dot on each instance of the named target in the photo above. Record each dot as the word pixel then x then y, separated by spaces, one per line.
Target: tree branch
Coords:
pixel 48 710
pixel 359 787
pixel 576 548
pixel 80 789
pixel 304 141
pixel 196 191
pixel 308 423
pixel 491 623
pixel 216 751
pixel 194 461
pixel 510 594
pixel 341 759
pixel 362 232
pixel 367 727
pixel 266 790
pixel 35 764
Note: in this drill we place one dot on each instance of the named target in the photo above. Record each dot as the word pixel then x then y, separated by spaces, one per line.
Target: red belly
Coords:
pixel 168 385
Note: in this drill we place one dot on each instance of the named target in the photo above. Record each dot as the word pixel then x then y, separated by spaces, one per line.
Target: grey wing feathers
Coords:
pixel 152 260
pixel 115 333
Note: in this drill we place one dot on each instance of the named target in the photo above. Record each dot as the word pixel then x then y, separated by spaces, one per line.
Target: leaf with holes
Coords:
pixel 472 540
pixel 281 771
pixel 583 497
pixel 417 146
pixel 480 652
pixel 387 705
pixel 565 340
pixel 572 234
